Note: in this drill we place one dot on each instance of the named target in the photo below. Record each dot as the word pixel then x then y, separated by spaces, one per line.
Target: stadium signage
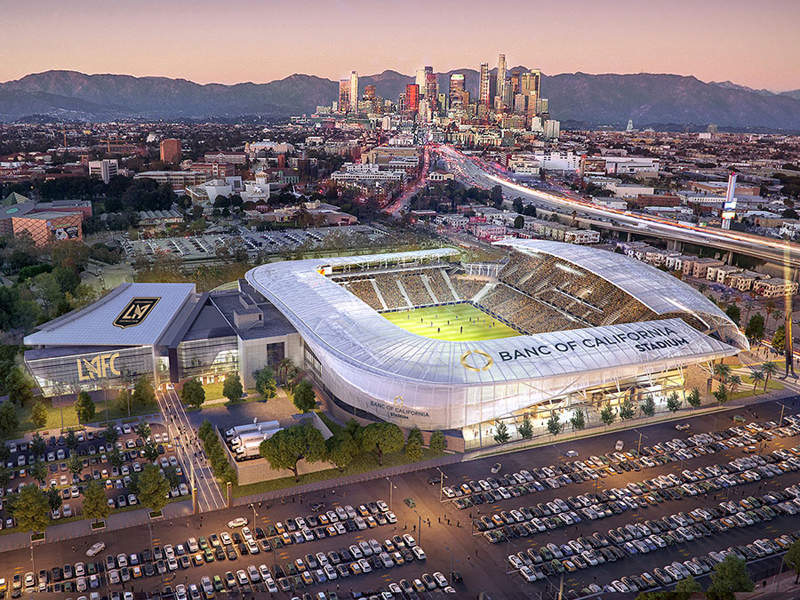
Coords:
pixel 643 340
pixel 399 412
pixel 135 312
pixel 97 367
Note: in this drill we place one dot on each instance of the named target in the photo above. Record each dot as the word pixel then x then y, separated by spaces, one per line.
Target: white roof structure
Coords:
pixel 375 364
pixel 94 324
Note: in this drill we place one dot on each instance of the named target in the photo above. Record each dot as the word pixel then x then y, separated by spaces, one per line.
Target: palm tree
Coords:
pixel 734 381
pixel 769 369
pixel 757 375
pixel 770 306
pixel 283 368
pixel 722 372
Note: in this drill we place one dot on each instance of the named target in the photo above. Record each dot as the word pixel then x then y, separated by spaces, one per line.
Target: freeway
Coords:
pixel 475 172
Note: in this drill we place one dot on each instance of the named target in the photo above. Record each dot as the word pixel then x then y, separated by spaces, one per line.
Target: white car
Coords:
pixel 682 426
pixel 237 522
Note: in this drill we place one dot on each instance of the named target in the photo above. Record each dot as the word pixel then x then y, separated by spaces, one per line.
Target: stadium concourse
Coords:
pixel 558 326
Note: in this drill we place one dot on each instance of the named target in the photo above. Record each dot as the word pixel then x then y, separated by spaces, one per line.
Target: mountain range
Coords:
pixel 577 99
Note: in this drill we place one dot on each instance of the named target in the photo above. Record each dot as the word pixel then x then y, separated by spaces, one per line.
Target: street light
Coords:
pixel 253 506
pixel 390 490
pixel 442 477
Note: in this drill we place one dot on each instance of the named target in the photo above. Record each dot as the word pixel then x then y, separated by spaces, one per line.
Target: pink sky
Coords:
pixel 750 43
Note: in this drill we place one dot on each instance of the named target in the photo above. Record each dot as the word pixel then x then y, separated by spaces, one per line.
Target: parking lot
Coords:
pixel 677 507
pixel 71 463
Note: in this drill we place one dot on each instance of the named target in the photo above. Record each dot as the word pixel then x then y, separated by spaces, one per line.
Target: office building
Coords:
pixel 501 81
pixel 456 90
pixel 104 169
pixel 412 97
pixel 483 85
pixel 171 151
pixel 353 91
pixel 344 95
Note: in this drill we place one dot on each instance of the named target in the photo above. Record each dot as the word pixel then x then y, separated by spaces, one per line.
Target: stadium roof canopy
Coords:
pixel 94 325
pixel 332 319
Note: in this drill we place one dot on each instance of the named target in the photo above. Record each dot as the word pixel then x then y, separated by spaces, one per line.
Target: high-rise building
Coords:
pixel 171 151
pixel 483 85
pixel 501 79
pixel 104 169
pixel 412 97
pixel 420 79
pixel 369 91
pixel 344 95
pixel 431 88
pixel 456 90
pixel 353 91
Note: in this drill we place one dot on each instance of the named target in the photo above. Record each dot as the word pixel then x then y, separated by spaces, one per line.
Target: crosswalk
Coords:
pixel 189 454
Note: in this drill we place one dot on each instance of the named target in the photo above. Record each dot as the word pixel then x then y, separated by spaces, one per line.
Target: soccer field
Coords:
pixel 455 322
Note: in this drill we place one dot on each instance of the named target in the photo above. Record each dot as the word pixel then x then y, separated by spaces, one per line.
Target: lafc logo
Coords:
pixel 476 360
pixel 97 367
pixel 135 312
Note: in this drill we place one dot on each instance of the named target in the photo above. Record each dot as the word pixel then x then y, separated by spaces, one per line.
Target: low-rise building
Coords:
pixel 775 287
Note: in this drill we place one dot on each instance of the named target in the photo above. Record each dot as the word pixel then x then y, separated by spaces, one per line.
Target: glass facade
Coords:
pixel 216 356
pixel 71 373
pixel 275 354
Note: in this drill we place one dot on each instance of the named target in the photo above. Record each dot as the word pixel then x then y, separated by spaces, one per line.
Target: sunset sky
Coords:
pixel 751 43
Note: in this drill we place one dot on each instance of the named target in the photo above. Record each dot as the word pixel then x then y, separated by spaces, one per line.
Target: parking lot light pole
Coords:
pixel 390 491
pixel 442 477
pixel 253 506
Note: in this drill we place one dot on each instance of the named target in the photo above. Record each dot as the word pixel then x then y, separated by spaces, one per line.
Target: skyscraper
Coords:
pixel 456 90
pixel 353 91
pixel 170 151
pixel 501 79
pixel 420 79
pixel 431 88
pixel 344 95
pixel 483 86
pixel 412 97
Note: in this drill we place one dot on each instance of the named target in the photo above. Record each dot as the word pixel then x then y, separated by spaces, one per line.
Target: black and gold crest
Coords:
pixel 135 312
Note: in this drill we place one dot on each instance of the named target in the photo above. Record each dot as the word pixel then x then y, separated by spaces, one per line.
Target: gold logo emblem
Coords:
pixel 97 367
pixel 476 360
pixel 135 312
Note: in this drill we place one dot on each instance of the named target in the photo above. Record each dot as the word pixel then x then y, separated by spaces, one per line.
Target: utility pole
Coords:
pixel 442 477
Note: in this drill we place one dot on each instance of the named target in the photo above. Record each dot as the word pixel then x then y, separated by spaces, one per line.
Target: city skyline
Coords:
pixel 259 43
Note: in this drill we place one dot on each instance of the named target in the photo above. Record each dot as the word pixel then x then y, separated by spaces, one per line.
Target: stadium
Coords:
pixel 420 338
pixel 416 338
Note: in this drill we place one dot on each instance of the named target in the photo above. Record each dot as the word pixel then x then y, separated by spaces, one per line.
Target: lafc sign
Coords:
pixel 135 312
pixel 99 366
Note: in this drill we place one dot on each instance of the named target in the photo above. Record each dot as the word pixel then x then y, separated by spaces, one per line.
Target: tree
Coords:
pixel 38 445
pixel 232 388
pixel 288 446
pixel 721 395
pixel 728 577
pixel 578 419
pixel 380 439
pixel 525 428
pixel 792 559
pixel 39 414
pixel 39 472
pixel 341 449
pixel 95 505
pixel 265 383
pixel 143 431
pixel 115 457
pixel 171 474
pixel 607 415
pixel 9 421
pixel 84 407
pixel 755 328
pixel 438 442
pixel 414 450
pixel 674 402
pixel 769 369
pixel 734 313
pixel 110 434
pixel 626 410
pixel 757 375
pixel 143 393
pixel 687 587
pixel 31 509
pixel 18 386
pixel 75 464
pixel 496 196
pixel 153 488
pixel 71 439
pixel 648 407
pixel 193 393
pixel 722 372
pixel 53 498
pixel 150 450
pixel 779 340
pixel 693 398
pixel 304 397
pixel 501 436
pixel 734 381
pixel 554 425
pixel 519 222
pixel 414 435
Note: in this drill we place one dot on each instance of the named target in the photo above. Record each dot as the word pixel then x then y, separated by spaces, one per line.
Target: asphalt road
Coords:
pixel 452 546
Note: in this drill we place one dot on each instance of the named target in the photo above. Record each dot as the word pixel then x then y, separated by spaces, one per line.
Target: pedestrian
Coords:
pixel 440 519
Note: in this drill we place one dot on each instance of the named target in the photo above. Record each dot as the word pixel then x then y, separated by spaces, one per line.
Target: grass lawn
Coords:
pixel 361 464
pixel 70 418
pixel 455 322
pixel 746 390
pixel 214 392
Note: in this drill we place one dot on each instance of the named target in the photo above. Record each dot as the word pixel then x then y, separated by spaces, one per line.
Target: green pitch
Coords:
pixel 455 323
